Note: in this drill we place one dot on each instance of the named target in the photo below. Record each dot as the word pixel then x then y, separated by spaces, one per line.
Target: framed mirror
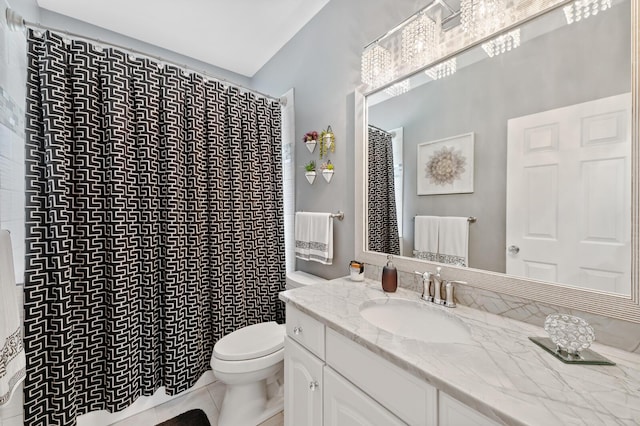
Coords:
pixel 537 144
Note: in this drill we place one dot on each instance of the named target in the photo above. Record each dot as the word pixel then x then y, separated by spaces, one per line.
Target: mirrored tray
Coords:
pixel 586 356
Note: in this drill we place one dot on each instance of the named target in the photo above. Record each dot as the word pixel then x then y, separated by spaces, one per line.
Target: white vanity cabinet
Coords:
pixel 303 378
pixel 332 381
pixel 344 404
pixel 454 413
pixel 303 369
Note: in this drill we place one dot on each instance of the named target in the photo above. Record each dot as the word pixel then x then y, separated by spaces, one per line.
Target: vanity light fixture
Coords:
pixel 482 17
pixel 503 43
pixel 582 9
pixel 418 43
pixel 376 67
pixel 443 69
pixel 398 88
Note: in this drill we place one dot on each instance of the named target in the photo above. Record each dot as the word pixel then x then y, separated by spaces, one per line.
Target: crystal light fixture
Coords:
pixel 443 69
pixel 398 88
pixel 482 17
pixel 503 43
pixel 418 44
pixel 582 9
pixel 376 68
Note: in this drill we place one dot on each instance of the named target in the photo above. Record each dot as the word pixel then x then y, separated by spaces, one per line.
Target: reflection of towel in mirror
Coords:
pixel 12 360
pixel 426 237
pixel 314 237
pixel 453 244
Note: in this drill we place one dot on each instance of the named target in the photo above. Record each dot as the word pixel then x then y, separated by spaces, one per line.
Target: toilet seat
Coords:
pixel 254 341
pixel 246 366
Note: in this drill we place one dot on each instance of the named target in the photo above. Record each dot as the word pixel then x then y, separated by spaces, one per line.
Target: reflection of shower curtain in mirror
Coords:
pixel 383 223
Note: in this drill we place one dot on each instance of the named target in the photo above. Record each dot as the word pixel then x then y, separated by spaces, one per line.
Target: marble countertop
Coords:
pixel 501 374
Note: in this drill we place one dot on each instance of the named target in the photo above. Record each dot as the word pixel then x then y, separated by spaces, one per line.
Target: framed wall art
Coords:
pixel 445 166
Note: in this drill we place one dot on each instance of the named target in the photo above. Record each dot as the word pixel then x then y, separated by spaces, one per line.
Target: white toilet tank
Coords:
pixel 297 279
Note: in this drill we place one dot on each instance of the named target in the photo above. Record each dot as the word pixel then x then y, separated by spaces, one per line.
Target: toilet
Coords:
pixel 250 361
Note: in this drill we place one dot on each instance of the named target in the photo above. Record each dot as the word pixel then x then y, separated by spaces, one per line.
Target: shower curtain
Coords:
pixel 154 225
pixel 382 219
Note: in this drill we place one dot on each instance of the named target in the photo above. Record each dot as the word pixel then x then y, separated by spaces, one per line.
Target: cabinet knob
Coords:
pixel 297 330
pixel 314 385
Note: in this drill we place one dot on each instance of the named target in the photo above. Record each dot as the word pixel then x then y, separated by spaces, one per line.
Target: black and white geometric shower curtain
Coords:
pixel 154 225
pixel 383 222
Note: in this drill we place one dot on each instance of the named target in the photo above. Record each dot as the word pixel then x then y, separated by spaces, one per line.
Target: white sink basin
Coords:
pixel 415 320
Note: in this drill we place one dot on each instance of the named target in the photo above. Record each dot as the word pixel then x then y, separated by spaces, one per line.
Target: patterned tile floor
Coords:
pixel 207 398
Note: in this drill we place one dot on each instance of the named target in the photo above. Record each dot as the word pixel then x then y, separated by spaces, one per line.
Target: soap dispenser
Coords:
pixel 389 277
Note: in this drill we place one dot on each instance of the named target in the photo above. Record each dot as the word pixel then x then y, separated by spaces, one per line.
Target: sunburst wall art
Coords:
pixel 445 166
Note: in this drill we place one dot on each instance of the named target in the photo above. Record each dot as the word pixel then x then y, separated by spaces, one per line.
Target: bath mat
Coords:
pixel 189 418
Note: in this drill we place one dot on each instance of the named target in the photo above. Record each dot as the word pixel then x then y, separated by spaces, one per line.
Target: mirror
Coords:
pixel 545 131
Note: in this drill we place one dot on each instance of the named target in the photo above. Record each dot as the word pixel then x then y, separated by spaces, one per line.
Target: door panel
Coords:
pixel 569 195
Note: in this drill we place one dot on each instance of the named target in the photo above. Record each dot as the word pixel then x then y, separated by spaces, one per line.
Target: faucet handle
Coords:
pixel 449 297
pixel 427 287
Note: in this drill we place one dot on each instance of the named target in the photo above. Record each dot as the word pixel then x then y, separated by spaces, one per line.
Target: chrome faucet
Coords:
pixel 449 297
pixel 437 288
pixel 426 285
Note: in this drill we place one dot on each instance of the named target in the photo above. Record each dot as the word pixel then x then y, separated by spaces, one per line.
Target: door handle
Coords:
pixel 513 249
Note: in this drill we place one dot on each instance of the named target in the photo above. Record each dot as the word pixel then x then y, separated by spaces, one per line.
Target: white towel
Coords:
pixel 314 237
pixel 453 244
pixel 426 237
pixel 12 360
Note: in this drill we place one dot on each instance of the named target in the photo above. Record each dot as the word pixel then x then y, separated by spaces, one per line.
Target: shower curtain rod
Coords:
pixel 15 22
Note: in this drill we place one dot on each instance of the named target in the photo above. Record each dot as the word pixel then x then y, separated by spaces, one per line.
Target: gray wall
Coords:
pixel 322 63
pixel 482 97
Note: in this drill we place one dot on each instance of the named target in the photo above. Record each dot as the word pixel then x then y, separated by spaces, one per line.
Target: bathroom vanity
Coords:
pixel 342 369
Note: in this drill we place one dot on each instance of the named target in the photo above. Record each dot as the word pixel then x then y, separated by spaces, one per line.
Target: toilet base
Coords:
pixel 252 403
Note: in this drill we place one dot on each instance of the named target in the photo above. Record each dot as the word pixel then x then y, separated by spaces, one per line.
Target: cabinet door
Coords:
pixel 454 413
pixel 346 405
pixel 302 386
pixel 411 399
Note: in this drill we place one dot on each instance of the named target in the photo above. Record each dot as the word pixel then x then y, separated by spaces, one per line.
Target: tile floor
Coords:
pixel 207 398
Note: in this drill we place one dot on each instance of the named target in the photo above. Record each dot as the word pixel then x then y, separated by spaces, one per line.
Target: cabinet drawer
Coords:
pixel 306 331
pixel 411 399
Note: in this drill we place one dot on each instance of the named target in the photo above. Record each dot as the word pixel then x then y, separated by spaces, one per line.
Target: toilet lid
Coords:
pixel 251 342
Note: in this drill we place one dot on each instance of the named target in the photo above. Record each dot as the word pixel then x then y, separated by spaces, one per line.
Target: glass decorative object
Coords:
pixel 482 17
pixel 418 43
pixel 398 88
pixel 376 67
pixel 570 334
pixel 582 9
pixel 503 43
pixel 443 69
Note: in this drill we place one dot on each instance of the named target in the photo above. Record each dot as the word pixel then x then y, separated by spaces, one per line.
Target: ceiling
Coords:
pixel 237 35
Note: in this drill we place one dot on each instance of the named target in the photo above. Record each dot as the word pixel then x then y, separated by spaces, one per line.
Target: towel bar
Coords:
pixel 470 219
pixel 339 215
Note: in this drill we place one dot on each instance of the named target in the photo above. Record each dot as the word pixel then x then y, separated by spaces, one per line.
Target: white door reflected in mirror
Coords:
pixel 568 199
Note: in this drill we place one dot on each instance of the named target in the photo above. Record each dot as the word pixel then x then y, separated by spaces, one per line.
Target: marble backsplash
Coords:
pixel 609 331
